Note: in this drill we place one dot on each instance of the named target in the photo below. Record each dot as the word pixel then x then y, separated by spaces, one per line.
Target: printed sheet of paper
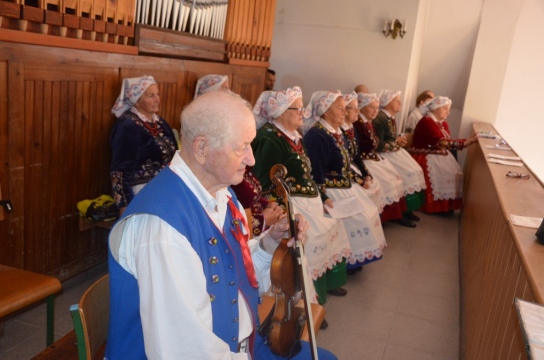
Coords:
pixel 505 162
pixel 498 147
pixel 525 221
pixel 502 157
pixel 345 208
pixel 531 318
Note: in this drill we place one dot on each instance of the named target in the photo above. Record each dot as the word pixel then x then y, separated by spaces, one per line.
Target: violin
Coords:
pixel 285 323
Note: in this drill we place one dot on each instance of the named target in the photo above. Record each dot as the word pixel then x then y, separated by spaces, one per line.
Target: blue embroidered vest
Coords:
pixel 167 197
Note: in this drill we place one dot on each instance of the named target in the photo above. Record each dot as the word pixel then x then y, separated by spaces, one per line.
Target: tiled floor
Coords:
pixel 405 306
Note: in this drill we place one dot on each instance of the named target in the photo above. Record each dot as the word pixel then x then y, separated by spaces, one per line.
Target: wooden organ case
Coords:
pixel 61 67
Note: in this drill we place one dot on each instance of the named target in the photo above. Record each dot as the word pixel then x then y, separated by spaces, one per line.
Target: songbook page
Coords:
pixel 506 162
pixel 502 157
pixel 498 147
pixel 531 319
pixel 525 221
pixel 345 208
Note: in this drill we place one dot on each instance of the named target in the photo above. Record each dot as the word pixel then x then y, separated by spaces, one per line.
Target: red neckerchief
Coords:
pixel 242 239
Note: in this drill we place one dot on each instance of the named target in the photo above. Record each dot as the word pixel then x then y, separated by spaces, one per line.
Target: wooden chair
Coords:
pixel 91 319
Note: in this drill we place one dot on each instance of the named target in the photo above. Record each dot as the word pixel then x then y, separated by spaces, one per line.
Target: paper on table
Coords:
pixel 486 134
pixel 530 222
pixel 505 162
pixel 502 157
pixel 531 317
pixel 498 147
pixel 345 208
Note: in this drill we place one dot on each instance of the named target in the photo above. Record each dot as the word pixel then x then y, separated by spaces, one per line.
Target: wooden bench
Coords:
pixel 66 347
pixel 21 288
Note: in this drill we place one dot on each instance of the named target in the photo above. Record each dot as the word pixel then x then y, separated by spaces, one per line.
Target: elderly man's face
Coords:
pixel 226 165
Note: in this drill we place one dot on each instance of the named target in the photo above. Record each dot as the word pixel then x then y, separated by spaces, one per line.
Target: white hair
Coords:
pixel 212 115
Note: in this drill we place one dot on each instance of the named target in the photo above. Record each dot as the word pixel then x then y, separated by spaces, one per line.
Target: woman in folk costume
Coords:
pixel 431 147
pixel 211 82
pixel 330 169
pixel 358 172
pixel 279 115
pixel 142 142
pixel 381 169
pixel 390 147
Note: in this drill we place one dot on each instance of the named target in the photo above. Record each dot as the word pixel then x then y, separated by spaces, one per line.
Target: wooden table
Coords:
pixel 21 288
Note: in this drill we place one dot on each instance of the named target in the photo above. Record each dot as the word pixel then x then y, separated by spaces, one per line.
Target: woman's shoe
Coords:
pixel 324 325
pixel 338 292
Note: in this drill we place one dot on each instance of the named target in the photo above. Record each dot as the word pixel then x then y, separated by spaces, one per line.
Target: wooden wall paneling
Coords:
pixel 272 14
pixel 251 23
pixel 229 30
pixel 499 261
pixel 3 149
pixel 16 131
pixel 64 105
pixel 249 83
pixel 55 126
pixel 3 144
pixel 34 183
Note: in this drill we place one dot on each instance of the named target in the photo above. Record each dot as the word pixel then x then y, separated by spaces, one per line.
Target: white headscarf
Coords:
pixel 272 104
pixel 386 96
pixel 320 102
pixel 433 104
pixel 350 97
pixel 131 91
pixel 211 82
pixel 365 99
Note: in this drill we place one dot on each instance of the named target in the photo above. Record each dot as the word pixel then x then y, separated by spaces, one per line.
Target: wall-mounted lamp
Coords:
pixel 394 27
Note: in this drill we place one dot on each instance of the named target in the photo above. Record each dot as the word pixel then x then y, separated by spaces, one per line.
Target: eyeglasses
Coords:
pixel 299 110
pixel 517 175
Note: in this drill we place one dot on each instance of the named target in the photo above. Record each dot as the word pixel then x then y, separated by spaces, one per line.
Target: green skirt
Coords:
pixel 415 201
pixel 332 279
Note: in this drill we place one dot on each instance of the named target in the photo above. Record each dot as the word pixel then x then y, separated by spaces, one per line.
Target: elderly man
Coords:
pixel 390 147
pixel 184 277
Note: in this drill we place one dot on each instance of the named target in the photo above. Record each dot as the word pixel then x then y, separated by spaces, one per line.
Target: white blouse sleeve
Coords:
pixel 174 305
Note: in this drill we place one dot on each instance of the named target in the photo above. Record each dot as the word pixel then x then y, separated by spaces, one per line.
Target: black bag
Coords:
pixel 540 233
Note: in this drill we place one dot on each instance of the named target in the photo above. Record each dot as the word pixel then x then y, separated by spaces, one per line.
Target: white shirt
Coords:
pixel 175 306
pixel 413 119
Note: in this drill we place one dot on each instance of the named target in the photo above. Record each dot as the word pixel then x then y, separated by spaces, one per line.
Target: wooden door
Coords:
pixel 59 123
pixel 8 249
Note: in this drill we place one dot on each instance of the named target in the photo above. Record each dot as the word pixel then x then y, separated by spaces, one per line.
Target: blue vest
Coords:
pixel 169 198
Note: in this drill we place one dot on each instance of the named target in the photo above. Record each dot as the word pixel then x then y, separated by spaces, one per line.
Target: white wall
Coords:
pixel 330 45
pixel 449 40
pixel 499 19
pixel 505 86
pixel 519 116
